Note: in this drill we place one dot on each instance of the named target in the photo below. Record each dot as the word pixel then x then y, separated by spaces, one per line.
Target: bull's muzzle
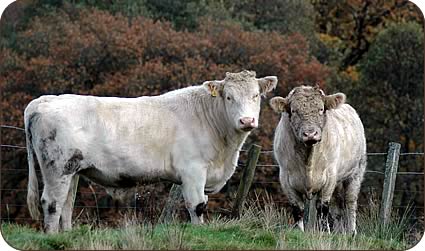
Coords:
pixel 311 136
pixel 247 124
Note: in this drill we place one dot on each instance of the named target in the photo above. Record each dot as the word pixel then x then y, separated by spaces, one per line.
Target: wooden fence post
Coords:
pixel 171 205
pixel 391 166
pixel 310 213
pixel 246 180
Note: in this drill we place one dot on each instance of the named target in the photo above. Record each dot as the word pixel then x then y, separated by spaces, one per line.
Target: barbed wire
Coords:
pixel 243 150
pixel 12 127
pixel 258 165
pixel 104 193
pixel 77 205
pixel 13 146
pixel 264 152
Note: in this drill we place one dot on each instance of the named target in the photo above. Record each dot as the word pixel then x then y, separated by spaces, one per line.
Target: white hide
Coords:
pixel 186 136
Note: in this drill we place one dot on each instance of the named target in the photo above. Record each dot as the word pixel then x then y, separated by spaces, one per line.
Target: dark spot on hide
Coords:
pixel 32 119
pixel 52 208
pixel 52 135
pixel 200 209
pixel 50 164
pixel 73 164
pixel 43 201
pixel 44 155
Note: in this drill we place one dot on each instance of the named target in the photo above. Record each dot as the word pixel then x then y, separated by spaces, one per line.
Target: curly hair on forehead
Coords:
pixel 305 90
pixel 240 76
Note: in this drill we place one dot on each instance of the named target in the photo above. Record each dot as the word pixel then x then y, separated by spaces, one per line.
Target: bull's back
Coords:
pixel 345 126
pixel 346 131
pixel 127 134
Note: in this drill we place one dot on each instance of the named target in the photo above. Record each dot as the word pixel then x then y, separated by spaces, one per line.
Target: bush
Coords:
pixel 392 87
pixel 99 53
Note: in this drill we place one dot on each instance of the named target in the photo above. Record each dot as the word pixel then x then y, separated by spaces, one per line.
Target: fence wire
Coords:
pixel 79 206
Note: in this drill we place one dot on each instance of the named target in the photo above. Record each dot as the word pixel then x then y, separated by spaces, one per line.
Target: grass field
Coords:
pixel 259 228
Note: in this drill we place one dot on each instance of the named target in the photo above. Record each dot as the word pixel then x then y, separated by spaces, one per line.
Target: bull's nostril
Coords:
pixel 247 121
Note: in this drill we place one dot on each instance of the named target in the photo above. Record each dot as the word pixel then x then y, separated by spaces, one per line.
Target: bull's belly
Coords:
pixel 123 179
pixel 303 187
pixel 127 174
pixel 302 183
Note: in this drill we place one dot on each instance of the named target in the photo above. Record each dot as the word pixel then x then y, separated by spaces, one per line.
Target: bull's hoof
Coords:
pixel 299 225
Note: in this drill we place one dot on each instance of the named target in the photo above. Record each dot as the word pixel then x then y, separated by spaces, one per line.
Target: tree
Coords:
pixel 391 87
pixel 357 22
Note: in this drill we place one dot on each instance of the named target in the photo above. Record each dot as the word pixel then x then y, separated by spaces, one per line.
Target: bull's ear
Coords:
pixel 214 87
pixel 334 101
pixel 279 104
pixel 267 84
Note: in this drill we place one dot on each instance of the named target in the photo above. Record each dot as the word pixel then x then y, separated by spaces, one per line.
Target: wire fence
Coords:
pixel 81 204
pixel 263 165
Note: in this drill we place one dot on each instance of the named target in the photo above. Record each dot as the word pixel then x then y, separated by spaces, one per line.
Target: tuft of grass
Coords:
pixel 262 225
pixel 397 228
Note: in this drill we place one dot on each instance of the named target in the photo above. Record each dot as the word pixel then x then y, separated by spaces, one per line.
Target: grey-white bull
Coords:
pixel 319 144
pixel 191 136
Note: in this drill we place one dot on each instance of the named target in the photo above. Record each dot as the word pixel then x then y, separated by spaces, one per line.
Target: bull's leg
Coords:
pixel 55 193
pixel 339 214
pixel 66 216
pixel 322 205
pixel 295 199
pixel 351 195
pixel 193 192
pixel 298 215
pixel 297 205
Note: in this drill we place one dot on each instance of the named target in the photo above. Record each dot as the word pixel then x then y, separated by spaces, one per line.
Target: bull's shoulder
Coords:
pixel 343 114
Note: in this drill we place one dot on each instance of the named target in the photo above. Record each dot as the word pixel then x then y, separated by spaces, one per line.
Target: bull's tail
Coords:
pixel 33 200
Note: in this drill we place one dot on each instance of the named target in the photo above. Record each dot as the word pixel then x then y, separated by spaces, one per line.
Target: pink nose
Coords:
pixel 310 135
pixel 247 123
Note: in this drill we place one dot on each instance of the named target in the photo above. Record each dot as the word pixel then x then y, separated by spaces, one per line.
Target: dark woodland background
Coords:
pixel 370 50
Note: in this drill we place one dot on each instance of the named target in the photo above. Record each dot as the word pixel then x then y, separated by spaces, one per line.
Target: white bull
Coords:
pixel 320 145
pixel 191 136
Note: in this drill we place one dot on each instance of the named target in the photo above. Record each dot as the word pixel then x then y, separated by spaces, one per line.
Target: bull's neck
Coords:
pixel 214 117
pixel 309 156
pixel 306 154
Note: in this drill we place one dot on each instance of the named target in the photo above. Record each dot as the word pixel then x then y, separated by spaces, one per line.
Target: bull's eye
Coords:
pixel 321 111
pixel 255 96
pixel 229 98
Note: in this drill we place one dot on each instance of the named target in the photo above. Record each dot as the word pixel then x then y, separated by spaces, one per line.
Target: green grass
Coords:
pixel 259 228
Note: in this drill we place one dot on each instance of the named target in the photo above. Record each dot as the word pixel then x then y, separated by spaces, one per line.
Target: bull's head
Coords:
pixel 306 108
pixel 240 93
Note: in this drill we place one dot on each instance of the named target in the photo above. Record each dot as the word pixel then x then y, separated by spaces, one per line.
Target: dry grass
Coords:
pixel 262 225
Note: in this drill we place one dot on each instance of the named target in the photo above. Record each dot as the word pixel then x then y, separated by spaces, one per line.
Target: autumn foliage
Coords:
pixel 94 52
